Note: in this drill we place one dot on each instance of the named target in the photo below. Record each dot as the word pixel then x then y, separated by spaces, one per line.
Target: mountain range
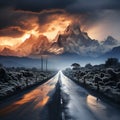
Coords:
pixel 72 42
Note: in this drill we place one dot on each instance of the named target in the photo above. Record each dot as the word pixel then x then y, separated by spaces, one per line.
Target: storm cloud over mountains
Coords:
pixel 19 19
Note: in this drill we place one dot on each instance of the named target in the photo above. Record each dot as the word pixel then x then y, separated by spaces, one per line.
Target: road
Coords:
pixel 42 103
pixel 32 105
pixel 79 104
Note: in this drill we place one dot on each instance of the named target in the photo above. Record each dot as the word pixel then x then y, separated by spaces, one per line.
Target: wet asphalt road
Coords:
pixel 32 105
pixel 76 103
pixel 79 104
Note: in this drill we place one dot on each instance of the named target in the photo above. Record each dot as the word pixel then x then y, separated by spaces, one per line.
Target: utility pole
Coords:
pixel 41 63
pixel 46 63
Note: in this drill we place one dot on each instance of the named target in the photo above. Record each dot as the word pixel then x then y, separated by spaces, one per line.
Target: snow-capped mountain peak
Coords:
pixel 73 29
pixel 110 41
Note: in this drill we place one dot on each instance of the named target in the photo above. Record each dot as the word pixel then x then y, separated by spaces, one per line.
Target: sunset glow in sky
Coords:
pixel 20 19
pixel 50 30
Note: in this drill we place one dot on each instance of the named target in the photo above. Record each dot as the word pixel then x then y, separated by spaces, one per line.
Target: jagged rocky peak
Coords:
pixel 110 41
pixel 41 42
pixel 43 37
pixel 110 38
pixel 73 29
pixel 85 34
pixel 8 52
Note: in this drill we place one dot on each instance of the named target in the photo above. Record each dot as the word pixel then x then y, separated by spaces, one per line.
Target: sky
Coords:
pixel 21 18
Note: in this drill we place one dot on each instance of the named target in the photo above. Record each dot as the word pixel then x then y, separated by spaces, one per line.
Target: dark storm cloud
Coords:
pixel 10 17
pixel 11 31
pixel 15 23
pixel 37 5
pixel 83 6
pixel 20 13
pixel 70 5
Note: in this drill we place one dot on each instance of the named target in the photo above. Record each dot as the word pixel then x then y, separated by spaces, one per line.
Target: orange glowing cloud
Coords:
pixel 54 24
pixel 16 41
pixel 9 41
pixel 51 29
pixel 13 39
pixel 58 25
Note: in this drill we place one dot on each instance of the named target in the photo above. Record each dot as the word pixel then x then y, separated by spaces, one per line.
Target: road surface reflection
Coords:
pixel 94 103
pixel 79 104
pixel 37 97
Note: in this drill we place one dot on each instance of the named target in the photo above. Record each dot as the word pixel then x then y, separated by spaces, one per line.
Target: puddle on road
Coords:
pixel 42 102
pixel 94 103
